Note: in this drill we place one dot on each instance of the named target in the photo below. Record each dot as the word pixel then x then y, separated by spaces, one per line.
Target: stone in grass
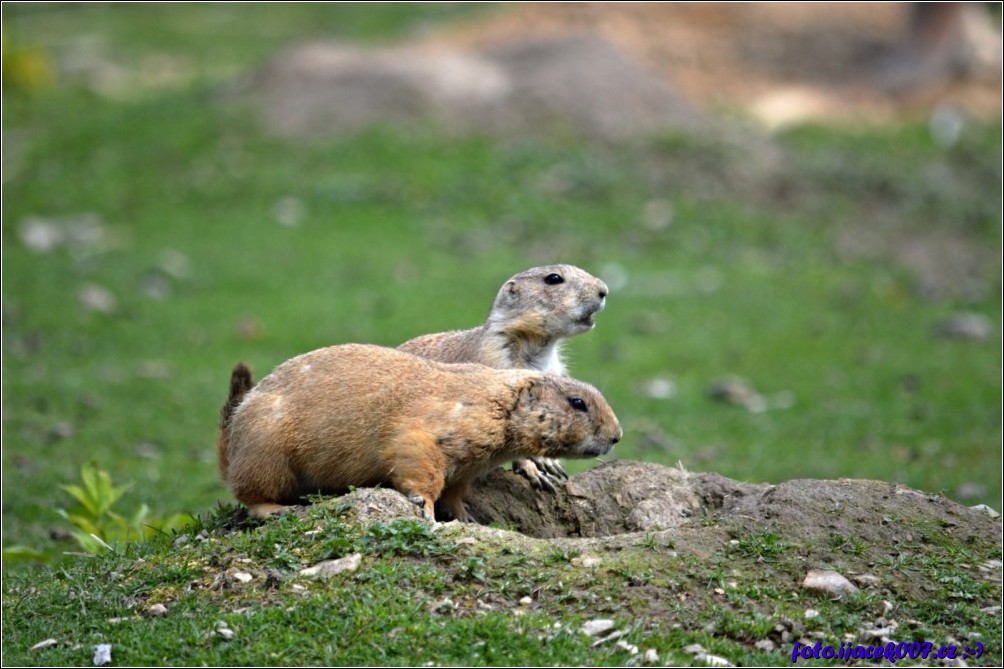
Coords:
pixel 983 508
pixel 48 643
pixel 867 580
pixel 701 656
pixel 444 605
pixel 600 627
pixel 967 325
pixel 713 660
pixel 156 610
pixel 102 654
pixel 828 581
pixel 223 630
pixel 93 297
pixel 330 568
pixel 629 647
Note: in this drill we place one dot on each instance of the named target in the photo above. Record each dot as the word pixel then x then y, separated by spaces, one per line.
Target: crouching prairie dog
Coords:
pixel 533 313
pixel 360 415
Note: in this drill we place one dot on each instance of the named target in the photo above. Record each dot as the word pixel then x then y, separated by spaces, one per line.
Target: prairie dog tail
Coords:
pixel 240 383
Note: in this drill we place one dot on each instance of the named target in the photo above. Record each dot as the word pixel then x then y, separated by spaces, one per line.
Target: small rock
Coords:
pixel 887 605
pixel 694 649
pixel 182 540
pixel 288 211
pixel 713 660
pixel 739 392
pixel 828 581
pixel 811 613
pixel 651 656
pixel 121 619
pixel 867 580
pixel 968 325
pixel 765 645
pixel 40 235
pixel 586 561
pixel 442 606
pixel 226 633
pixel 624 645
pixel 156 610
pixel 330 568
pixel 991 565
pixel 992 610
pixel 526 601
pixel 983 508
pixel 600 627
pixel 44 644
pixel 243 577
pixel 616 634
pixel 659 389
pixel 93 297
pixel 877 633
pixel 102 654
pixel 175 264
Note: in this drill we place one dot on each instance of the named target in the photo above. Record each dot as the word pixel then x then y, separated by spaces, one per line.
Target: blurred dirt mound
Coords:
pixel 579 83
pixel 612 70
pixel 784 61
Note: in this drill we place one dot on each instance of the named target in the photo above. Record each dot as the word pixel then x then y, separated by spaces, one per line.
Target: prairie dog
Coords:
pixel 533 313
pixel 360 415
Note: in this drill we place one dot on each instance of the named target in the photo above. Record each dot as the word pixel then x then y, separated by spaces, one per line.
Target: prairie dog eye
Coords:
pixel 578 404
pixel 553 279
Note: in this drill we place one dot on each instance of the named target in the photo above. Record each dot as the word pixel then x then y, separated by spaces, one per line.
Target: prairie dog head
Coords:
pixel 566 418
pixel 551 302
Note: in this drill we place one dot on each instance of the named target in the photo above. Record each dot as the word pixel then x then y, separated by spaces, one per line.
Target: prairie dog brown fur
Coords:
pixel 533 313
pixel 360 415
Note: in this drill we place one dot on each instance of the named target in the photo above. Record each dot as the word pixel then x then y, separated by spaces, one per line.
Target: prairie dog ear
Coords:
pixel 531 388
pixel 511 292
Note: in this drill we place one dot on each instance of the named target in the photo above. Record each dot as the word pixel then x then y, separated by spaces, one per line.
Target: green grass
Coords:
pixel 422 596
pixel 409 233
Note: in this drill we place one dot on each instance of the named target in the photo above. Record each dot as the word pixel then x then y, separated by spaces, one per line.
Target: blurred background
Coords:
pixel 797 209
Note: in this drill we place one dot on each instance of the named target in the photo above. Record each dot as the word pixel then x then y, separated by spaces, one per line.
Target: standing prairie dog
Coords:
pixel 533 313
pixel 360 415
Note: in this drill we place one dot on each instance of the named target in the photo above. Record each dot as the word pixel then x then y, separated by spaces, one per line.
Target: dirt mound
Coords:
pixel 783 61
pixel 629 497
pixel 582 84
pixel 611 70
